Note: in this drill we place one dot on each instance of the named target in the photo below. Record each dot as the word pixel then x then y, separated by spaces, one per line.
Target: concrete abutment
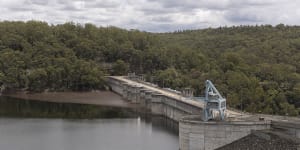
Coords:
pixel 196 134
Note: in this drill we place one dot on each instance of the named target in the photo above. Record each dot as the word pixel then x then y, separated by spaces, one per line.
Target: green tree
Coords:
pixel 37 80
pixel 120 68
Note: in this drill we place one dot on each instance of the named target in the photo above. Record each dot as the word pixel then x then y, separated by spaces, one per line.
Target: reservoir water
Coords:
pixel 36 125
pixel 101 134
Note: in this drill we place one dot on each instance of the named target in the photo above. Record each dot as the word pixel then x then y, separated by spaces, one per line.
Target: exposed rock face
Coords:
pixel 264 140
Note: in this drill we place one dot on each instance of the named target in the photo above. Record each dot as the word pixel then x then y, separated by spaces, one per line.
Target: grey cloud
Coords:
pixel 192 4
pixel 101 4
pixel 87 5
pixel 241 16
pixel 37 2
pixel 162 19
pixel 20 9
pixel 63 2
pixel 103 20
pixel 70 8
pixel 154 15
pixel 79 17
pixel 257 2
pixel 156 11
pixel 211 4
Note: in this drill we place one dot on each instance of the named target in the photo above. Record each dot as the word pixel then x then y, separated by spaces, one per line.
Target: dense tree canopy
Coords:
pixel 257 68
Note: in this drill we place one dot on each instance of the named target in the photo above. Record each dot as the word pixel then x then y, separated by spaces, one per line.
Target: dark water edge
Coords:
pixel 36 125
pixel 11 107
pixel 163 123
pixel 15 107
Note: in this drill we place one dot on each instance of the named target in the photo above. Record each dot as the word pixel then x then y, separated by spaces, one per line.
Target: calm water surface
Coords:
pixel 85 134
pixel 101 134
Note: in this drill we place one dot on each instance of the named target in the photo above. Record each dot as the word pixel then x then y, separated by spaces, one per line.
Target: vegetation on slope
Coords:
pixel 257 68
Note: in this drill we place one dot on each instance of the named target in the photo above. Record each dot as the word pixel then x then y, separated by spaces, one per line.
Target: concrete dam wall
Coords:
pixel 194 134
pixel 153 101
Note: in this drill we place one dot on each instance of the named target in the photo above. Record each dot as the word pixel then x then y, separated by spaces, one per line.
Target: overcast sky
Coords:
pixel 154 15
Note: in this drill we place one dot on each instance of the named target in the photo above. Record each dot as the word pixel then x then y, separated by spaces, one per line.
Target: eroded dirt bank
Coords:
pixel 103 98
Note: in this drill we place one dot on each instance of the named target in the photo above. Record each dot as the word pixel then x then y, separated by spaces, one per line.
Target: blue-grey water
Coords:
pixel 84 134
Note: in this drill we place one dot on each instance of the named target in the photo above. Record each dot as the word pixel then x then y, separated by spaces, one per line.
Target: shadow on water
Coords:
pixel 14 107
pixel 162 123
pixel 82 126
pixel 21 108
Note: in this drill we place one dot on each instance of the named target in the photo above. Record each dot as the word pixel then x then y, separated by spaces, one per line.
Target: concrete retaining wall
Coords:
pixel 116 86
pixel 198 135
pixel 290 128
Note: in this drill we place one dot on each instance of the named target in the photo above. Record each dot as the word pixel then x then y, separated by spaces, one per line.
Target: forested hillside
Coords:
pixel 257 68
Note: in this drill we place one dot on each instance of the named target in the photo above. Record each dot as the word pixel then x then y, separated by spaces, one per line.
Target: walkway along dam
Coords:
pixel 194 133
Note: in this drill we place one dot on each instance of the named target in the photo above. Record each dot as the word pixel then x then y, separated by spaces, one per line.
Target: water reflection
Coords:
pixel 15 107
pixel 102 134
pixel 127 130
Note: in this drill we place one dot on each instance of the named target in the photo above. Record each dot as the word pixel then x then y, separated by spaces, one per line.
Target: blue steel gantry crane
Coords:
pixel 213 101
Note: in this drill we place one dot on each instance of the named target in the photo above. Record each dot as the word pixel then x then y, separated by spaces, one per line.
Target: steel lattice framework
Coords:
pixel 213 101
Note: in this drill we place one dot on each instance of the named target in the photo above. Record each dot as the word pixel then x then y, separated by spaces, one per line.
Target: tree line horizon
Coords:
pixel 257 68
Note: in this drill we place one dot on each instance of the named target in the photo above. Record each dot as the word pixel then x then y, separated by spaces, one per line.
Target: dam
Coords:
pixel 194 133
